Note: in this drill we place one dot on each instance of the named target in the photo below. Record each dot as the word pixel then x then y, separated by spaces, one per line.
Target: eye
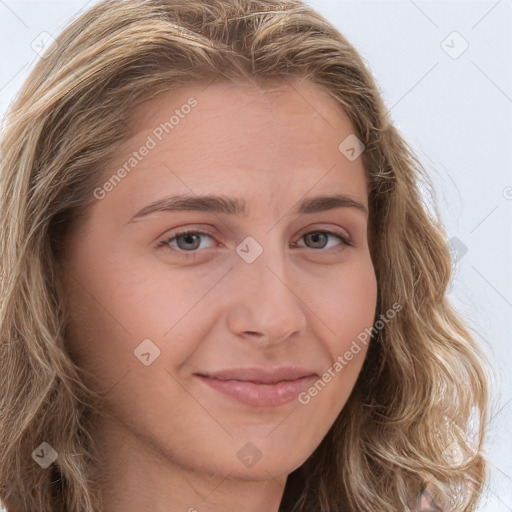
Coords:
pixel 319 238
pixel 190 240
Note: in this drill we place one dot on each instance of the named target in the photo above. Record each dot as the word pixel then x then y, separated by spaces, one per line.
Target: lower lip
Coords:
pixel 260 395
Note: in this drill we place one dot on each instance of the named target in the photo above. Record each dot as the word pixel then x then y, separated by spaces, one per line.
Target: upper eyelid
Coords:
pixel 317 226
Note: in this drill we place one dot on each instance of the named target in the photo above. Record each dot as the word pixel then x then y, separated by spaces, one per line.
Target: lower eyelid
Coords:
pixel 344 239
pixel 165 243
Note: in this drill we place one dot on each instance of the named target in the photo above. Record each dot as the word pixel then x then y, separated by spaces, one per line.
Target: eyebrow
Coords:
pixel 234 206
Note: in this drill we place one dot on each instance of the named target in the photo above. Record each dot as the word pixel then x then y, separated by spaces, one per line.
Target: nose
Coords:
pixel 264 306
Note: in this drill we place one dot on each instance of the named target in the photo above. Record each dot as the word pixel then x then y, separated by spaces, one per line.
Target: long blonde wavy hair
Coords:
pixel 425 378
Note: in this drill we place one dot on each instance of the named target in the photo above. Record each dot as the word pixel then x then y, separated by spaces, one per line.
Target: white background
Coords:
pixel 457 114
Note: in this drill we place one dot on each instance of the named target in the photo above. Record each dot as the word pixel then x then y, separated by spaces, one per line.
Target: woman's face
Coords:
pixel 263 287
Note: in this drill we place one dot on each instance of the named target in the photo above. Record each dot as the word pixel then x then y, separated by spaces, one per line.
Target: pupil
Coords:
pixel 189 238
pixel 316 236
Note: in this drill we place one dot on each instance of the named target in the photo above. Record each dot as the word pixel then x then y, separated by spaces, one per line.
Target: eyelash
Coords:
pixel 165 243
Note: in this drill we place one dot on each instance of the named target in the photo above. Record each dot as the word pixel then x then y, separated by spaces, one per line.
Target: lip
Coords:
pixel 260 387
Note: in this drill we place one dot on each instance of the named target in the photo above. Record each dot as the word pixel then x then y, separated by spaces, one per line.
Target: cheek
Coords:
pixel 107 315
pixel 350 314
pixel 348 310
pixel 350 302
pixel 114 306
pixel 96 338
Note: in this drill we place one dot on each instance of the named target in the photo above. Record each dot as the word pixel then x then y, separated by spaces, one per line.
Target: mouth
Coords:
pixel 260 387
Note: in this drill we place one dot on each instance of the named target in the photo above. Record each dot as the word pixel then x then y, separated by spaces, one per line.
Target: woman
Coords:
pixel 306 359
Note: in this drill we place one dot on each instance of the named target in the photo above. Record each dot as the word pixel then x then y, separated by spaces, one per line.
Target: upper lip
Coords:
pixel 261 375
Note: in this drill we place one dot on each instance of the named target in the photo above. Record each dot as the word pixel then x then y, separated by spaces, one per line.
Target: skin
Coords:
pixel 169 443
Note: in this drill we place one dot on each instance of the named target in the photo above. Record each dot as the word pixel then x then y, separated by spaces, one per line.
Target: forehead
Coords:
pixel 272 145
pixel 286 96
pixel 279 127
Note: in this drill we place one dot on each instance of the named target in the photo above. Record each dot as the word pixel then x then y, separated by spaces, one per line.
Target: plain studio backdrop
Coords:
pixel 445 71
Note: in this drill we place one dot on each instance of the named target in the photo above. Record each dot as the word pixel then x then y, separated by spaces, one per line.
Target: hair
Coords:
pixel 424 383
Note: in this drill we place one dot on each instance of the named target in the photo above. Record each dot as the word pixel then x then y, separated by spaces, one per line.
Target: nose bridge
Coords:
pixel 264 261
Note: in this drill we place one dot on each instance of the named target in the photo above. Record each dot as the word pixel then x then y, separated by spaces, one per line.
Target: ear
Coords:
pixel 425 503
